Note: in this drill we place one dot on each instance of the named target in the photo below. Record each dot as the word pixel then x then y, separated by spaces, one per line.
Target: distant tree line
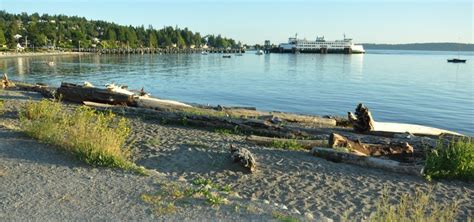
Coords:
pixel 73 32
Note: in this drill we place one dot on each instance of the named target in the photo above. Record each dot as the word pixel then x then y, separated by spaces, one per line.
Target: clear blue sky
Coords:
pixel 393 21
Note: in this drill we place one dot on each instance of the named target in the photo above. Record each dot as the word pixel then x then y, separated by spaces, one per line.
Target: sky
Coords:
pixel 253 21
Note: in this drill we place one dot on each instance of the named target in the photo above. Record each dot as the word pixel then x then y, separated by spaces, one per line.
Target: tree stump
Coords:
pixel 362 121
pixel 244 157
pixel 5 83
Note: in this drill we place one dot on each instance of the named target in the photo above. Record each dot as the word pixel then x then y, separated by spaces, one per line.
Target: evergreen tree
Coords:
pixel 3 41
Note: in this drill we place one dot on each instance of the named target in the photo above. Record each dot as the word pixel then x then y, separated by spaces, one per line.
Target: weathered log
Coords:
pixel 222 108
pixel 401 150
pixel 362 121
pixel 305 119
pixel 388 127
pixel 173 116
pixel 79 94
pixel 43 89
pixel 266 141
pixel 365 161
pixel 244 157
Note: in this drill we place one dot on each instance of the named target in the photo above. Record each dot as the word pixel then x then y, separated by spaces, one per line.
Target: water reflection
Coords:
pixel 403 87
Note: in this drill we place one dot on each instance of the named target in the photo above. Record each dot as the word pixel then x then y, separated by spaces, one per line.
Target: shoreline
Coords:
pixel 6 55
pixel 290 182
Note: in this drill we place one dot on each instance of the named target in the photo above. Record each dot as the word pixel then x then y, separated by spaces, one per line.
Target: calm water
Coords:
pixel 403 86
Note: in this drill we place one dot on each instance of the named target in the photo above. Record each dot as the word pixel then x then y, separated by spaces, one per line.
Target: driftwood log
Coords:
pixel 267 141
pixel 400 150
pixel 244 157
pixel 362 121
pixel 365 161
pixel 43 89
pixel 5 82
pixel 79 94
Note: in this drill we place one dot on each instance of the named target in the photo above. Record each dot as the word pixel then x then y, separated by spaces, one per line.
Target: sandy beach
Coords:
pixel 43 181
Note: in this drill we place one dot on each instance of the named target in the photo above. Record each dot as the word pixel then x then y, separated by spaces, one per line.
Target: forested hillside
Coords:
pixel 71 32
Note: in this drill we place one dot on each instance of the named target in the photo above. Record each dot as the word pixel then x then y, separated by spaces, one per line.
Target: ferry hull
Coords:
pixel 317 51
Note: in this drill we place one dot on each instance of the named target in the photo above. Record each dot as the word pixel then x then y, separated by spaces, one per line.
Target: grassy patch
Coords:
pixel 171 194
pixel 2 107
pixel 289 145
pixel 283 217
pixel 96 138
pixel 418 207
pixel 227 132
pixel 454 161
pixel 202 112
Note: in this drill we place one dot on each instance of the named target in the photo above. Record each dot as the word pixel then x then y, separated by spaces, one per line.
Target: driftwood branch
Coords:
pixel 365 161
pixel 244 157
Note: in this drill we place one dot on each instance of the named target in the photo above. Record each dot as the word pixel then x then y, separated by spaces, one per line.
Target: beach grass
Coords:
pixel 94 137
pixel 452 161
pixel 228 132
pixel 282 217
pixel 2 107
pixel 419 207
pixel 171 194
pixel 287 145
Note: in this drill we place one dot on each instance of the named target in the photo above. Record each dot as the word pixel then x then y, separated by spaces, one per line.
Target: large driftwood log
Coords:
pixel 5 82
pixel 43 89
pixel 362 121
pixel 171 116
pixel 79 94
pixel 401 150
pixel 365 161
pixel 244 157
pixel 266 141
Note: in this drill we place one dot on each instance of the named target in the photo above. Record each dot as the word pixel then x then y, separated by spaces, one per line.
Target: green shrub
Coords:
pixel 454 161
pixel 96 138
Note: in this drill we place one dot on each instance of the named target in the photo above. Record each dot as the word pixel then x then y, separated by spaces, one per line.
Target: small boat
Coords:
pixel 204 53
pixel 226 56
pixel 260 52
pixel 457 60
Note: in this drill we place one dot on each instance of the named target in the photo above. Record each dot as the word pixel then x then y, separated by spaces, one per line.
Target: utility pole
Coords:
pixel 26 42
pixel 79 45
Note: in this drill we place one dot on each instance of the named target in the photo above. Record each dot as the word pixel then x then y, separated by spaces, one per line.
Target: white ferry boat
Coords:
pixel 320 45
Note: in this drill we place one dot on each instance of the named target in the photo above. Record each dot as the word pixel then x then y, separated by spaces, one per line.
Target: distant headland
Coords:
pixel 441 46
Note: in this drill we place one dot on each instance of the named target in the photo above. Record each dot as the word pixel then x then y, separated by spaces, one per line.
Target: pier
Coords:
pixel 158 50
